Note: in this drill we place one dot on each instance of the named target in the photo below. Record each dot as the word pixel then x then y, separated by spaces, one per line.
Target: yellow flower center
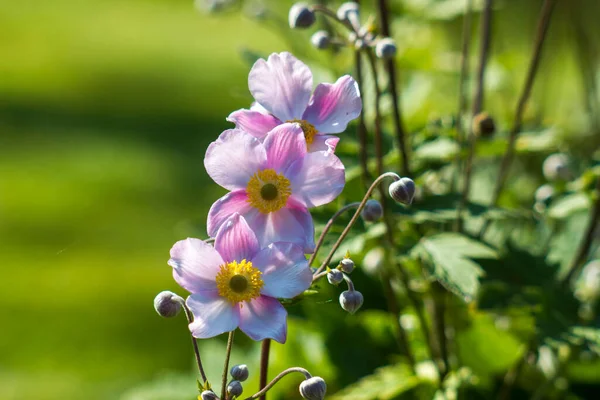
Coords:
pixel 268 191
pixel 309 130
pixel 239 282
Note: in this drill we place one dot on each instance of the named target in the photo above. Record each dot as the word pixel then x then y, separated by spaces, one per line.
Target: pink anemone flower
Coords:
pixel 237 284
pixel 272 183
pixel 282 87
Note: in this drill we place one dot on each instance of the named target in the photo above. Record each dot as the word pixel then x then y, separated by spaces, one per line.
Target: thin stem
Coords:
pixel 327 227
pixel 586 243
pixel 462 98
pixel 304 372
pixel 349 282
pixel 390 69
pixel 354 218
pixel 190 319
pixel 265 349
pixel 226 367
pixel 542 30
pixel 327 12
pixel 361 128
pixel 484 46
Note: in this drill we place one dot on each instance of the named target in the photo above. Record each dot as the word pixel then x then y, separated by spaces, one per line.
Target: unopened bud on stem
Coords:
pixel 208 395
pixel 234 388
pixel 167 304
pixel 313 388
pixel 351 300
pixel 335 276
pixel 483 125
pixel 347 11
pixel 320 39
pixel 347 265
pixel 373 211
pixel 403 191
pixel 385 48
pixel 239 372
pixel 301 16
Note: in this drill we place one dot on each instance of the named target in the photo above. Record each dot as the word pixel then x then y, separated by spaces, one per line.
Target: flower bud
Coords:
pixel 385 48
pixel 347 265
pixel 483 125
pixel 351 300
pixel 373 211
pixel 556 167
pixel 544 193
pixel 301 16
pixel 239 372
pixel 208 395
pixel 313 388
pixel 335 276
pixel 320 39
pixel 403 191
pixel 347 8
pixel 234 388
pixel 167 304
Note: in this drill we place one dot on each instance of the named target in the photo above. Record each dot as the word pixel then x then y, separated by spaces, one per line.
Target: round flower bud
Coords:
pixel 373 211
pixel 320 39
pixel 347 265
pixel 385 48
pixel 556 167
pixel 403 191
pixel 301 16
pixel 167 304
pixel 313 388
pixel 484 125
pixel 347 8
pixel 208 395
pixel 335 276
pixel 239 372
pixel 351 300
pixel 544 193
pixel 234 388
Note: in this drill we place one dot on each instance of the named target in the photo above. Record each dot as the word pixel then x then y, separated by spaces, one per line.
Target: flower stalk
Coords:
pixel 226 367
pixel 265 350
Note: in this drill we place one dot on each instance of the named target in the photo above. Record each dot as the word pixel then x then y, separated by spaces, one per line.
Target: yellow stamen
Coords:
pixel 268 191
pixel 309 130
pixel 239 282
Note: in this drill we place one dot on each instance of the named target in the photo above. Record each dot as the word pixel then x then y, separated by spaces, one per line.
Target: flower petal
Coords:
pixel 334 105
pixel 235 240
pixel 285 270
pixel 284 145
pixel 233 158
pixel 213 314
pixel 284 225
pixel 224 208
pixel 317 179
pixel 282 85
pixel 255 123
pixel 264 318
pixel 302 215
pixel 324 143
pixel 195 264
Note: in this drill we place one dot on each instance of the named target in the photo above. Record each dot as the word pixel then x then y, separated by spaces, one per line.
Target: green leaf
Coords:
pixel 569 204
pixel 449 256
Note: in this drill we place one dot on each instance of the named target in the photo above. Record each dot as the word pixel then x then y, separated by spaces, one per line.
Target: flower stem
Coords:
pixel 265 350
pixel 354 218
pixel 190 319
pixel 391 72
pixel 304 372
pixel 542 29
pixel 226 367
pixel 327 12
pixel 327 227
pixel 484 46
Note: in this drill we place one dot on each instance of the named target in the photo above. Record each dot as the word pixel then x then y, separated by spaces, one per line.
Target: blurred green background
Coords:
pixel 106 109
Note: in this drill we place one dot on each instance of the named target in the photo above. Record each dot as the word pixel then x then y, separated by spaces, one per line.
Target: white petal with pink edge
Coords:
pixel 195 264
pixel 284 225
pixel 213 314
pixel 264 318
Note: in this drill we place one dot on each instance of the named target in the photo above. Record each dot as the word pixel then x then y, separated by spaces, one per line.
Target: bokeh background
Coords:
pixel 106 109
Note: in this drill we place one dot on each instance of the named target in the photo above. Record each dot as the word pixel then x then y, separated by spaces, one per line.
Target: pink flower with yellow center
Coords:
pixel 282 87
pixel 273 182
pixel 237 284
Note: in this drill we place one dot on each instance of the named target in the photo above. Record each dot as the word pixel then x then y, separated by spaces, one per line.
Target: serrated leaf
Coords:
pixel 450 261
pixel 569 204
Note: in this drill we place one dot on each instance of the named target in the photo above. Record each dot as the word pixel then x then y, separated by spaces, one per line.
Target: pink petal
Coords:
pixel 324 143
pixel 334 105
pixel 282 85
pixel 213 314
pixel 264 318
pixel 284 145
pixel 285 270
pixel 317 179
pixel 302 215
pixel 285 225
pixel 253 122
pixel 224 208
pixel 195 265
pixel 233 158
pixel 235 240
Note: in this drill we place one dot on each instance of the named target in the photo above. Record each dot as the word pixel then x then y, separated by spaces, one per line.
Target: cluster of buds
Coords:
pixel 350 300
pixel 302 15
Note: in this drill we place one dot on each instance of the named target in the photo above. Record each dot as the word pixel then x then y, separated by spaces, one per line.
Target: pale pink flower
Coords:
pixel 237 284
pixel 282 87
pixel 273 182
